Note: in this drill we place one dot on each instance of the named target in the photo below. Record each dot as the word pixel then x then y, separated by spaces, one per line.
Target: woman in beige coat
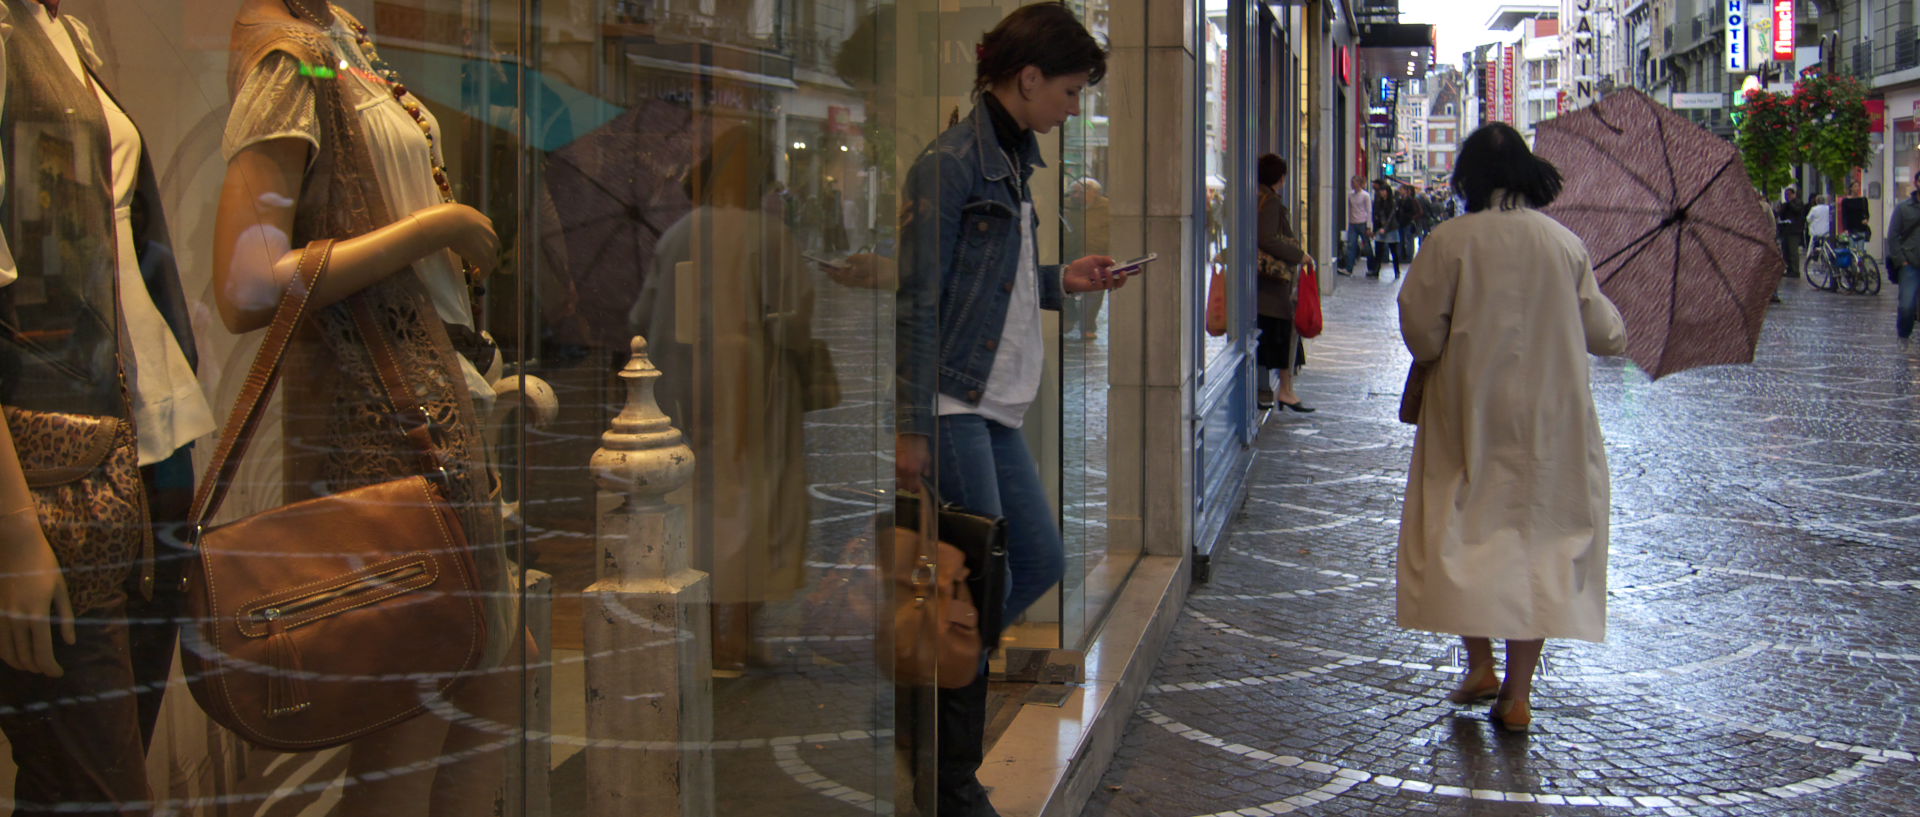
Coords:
pixel 1504 531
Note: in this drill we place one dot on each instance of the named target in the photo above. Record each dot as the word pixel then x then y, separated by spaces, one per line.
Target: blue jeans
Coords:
pixel 985 468
pixel 1354 246
pixel 1909 300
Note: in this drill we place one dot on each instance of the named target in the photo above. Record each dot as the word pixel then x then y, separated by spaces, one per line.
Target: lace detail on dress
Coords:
pixel 275 102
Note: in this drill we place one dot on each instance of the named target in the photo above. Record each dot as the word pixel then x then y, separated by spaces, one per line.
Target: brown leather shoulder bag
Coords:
pixel 325 620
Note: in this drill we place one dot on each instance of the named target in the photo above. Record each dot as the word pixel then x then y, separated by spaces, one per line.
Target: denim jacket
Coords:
pixel 959 254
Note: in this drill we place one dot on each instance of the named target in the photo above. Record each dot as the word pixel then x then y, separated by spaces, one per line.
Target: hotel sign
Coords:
pixel 1736 14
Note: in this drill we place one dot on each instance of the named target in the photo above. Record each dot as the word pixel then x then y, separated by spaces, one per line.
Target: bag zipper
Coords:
pixel 271 615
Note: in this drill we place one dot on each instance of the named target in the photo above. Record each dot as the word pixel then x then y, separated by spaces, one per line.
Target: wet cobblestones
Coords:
pixel 1762 655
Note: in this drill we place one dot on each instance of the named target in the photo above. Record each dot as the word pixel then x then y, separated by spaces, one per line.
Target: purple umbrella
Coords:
pixel 1681 241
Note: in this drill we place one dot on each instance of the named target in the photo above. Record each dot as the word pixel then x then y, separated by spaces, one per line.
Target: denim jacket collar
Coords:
pixel 993 160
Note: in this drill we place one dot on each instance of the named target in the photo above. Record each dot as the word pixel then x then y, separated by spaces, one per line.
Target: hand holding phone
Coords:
pixel 829 263
pixel 1134 266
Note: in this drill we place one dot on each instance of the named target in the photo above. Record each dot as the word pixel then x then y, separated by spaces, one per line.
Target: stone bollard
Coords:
pixel 646 620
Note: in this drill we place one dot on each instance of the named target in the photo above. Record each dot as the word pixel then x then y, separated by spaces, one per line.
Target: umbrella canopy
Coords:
pixel 1681 241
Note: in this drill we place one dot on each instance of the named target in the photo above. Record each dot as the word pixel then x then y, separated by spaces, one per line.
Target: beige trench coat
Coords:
pixel 1504 530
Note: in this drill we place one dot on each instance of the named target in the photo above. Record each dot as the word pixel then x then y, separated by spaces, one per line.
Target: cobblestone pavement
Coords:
pixel 1762 656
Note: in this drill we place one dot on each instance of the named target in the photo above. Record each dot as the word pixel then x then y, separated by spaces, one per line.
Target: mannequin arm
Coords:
pixel 31 585
pixel 254 258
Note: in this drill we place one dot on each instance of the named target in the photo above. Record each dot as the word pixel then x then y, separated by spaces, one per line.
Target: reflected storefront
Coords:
pixel 581 268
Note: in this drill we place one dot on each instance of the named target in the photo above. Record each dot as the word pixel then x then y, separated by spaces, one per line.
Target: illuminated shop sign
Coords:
pixel 1736 35
pixel 1783 29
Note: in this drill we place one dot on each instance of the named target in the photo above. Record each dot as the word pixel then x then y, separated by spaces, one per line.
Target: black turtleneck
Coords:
pixel 1012 137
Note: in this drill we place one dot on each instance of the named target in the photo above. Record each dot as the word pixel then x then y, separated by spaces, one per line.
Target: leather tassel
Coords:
pixel 287 687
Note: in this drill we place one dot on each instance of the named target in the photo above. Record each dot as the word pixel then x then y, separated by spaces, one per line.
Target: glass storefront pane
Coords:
pixel 614 286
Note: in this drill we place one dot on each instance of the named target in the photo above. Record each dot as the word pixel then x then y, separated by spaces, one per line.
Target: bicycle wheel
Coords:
pixel 1820 272
pixel 1870 270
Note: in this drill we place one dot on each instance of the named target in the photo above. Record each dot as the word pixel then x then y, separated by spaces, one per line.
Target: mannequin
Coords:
pixel 94 281
pixel 353 158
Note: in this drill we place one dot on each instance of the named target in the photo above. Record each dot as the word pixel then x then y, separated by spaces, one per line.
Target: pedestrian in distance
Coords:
pixel 1280 348
pixel 1790 220
pixel 1359 227
pixel 1903 254
pixel 1386 230
pixel 1413 221
pixel 1504 530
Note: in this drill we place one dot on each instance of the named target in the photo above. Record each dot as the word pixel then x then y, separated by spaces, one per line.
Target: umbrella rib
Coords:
pixel 1673 306
pixel 1720 276
pixel 1638 246
pixel 1731 232
pixel 1656 228
pixel 1608 155
pixel 1673 180
pixel 1720 272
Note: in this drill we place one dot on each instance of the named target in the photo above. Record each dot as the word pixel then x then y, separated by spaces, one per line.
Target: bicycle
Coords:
pixel 1834 263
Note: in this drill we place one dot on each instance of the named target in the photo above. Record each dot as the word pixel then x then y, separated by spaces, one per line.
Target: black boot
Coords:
pixel 963 739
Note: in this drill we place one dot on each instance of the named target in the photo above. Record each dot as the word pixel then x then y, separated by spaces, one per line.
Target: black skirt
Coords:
pixel 1279 347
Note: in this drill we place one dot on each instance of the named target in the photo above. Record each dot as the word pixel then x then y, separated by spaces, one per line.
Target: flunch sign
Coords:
pixel 1783 29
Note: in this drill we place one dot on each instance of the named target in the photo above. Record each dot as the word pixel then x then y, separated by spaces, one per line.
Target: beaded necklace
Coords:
pixel 408 102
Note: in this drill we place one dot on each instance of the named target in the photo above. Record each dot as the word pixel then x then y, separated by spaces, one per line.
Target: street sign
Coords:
pixel 1698 102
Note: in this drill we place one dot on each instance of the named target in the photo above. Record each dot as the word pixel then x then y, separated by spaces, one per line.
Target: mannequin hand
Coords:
pixel 1090 274
pixel 866 271
pixel 466 231
pixel 30 590
pixel 912 454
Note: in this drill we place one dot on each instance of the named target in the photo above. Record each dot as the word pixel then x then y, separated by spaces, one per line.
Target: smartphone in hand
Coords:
pixel 1133 266
pixel 829 263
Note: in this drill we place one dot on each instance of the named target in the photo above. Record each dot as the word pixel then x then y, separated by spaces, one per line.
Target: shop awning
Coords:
pixel 1402 50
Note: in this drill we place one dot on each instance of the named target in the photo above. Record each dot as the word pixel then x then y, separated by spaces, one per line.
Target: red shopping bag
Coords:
pixel 1306 310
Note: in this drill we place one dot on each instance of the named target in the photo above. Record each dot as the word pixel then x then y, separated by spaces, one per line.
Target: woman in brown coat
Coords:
pixel 1281 256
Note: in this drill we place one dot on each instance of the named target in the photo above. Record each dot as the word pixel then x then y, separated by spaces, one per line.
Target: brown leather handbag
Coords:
pixel 938 631
pixel 325 620
pixel 1415 392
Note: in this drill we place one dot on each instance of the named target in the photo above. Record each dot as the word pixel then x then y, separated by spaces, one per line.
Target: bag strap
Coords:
pixel 295 304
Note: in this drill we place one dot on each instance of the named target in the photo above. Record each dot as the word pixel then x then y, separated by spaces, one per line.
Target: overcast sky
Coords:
pixel 1459 24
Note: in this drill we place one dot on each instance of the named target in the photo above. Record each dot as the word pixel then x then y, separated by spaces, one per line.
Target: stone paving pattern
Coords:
pixel 1762 655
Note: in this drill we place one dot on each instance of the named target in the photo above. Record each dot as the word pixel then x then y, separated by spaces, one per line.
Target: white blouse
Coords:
pixel 169 409
pixel 1021 358
pixel 277 101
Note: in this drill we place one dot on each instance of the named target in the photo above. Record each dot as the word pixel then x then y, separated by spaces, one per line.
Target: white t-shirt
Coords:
pixel 1022 354
pixel 169 409
pixel 1820 220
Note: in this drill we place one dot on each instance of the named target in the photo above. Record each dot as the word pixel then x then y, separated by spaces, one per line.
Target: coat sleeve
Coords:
pixel 1426 303
pixel 1606 333
pixel 1276 235
pixel 937 187
pixel 1893 236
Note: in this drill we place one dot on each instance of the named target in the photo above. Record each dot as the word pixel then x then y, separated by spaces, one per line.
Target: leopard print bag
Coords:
pixel 84 474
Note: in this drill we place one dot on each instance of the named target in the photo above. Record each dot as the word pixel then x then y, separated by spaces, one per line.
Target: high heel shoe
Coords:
pixel 1298 406
pixel 1477 686
pixel 1500 715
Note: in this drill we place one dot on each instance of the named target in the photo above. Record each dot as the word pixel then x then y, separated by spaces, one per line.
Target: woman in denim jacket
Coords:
pixel 968 324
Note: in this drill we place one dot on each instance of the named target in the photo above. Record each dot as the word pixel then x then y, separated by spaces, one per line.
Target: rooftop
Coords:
pixel 1509 15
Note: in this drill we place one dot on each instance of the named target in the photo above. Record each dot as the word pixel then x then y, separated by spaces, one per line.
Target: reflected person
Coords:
pixel 737 388
pixel 970 353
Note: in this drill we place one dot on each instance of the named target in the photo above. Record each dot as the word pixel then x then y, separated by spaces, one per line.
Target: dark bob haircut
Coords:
pixel 1495 157
pixel 1046 36
pixel 1271 169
